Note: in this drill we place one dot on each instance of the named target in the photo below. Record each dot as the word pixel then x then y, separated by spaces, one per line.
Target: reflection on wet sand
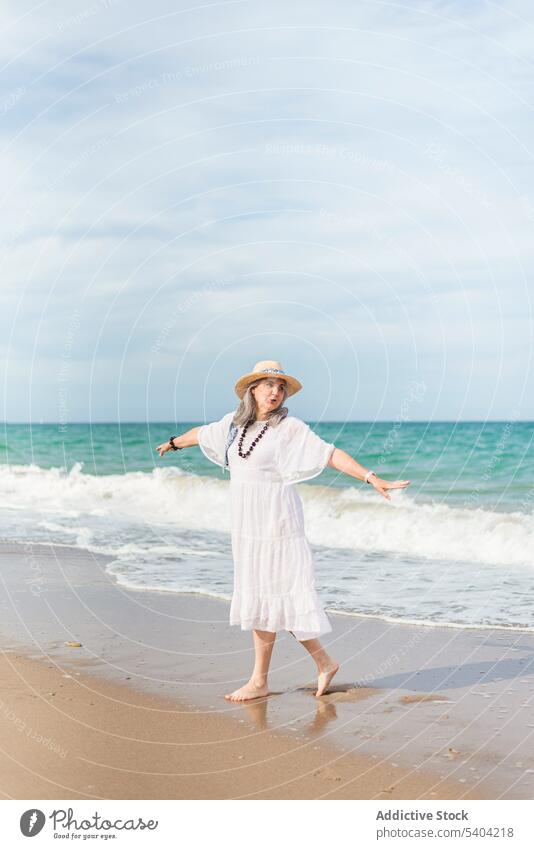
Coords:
pixel 324 714
pixel 256 711
pixel 325 710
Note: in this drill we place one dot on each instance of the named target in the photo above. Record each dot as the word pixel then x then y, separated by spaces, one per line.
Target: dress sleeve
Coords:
pixel 212 438
pixel 301 453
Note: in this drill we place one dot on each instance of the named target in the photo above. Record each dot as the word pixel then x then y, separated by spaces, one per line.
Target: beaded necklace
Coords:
pixel 254 441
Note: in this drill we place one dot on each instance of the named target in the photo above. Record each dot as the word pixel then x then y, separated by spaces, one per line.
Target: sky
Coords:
pixel 344 187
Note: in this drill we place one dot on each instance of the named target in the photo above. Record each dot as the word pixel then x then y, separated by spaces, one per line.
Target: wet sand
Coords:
pixel 139 708
pixel 70 735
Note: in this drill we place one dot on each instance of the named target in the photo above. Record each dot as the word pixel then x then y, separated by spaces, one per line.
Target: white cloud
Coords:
pixel 371 162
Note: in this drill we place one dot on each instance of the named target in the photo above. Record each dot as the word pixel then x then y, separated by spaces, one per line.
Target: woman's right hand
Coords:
pixel 163 448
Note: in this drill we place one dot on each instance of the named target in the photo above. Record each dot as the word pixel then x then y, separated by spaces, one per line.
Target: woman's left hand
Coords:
pixel 382 485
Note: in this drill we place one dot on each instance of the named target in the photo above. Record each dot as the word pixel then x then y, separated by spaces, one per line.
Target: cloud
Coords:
pixel 353 172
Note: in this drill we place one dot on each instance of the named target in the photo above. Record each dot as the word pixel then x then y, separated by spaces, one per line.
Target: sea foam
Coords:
pixel 351 518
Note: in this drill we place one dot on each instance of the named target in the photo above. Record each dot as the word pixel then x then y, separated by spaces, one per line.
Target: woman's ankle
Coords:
pixel 258 680
pixel 326 665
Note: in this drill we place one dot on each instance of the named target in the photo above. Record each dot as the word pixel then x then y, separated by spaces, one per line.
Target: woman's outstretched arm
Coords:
pixel 343 462
pixel 186 440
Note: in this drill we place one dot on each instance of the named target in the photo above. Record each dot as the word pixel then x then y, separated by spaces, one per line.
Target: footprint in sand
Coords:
pixel 409 700
pixel 352 694
pixel 326 772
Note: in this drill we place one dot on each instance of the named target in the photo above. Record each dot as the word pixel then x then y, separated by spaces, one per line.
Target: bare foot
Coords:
pixel 324 679
pixel 249 691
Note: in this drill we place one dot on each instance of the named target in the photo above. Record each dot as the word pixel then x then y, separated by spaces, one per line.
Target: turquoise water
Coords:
pixel 466 463
pixel 455 548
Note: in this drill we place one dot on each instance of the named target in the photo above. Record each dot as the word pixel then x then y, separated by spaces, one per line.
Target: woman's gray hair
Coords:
pixel 246 412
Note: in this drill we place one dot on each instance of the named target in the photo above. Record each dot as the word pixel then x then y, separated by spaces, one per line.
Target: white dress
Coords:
pixel 274 583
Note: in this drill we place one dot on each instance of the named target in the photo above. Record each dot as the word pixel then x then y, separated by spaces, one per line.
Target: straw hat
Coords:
pixel 267 368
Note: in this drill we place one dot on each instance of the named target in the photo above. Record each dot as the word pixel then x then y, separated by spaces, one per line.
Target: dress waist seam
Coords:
pixel 296 535
pixel 236 479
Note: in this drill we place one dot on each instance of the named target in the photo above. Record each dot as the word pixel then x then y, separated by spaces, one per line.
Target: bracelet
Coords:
pixel 173 446
pixel 368 475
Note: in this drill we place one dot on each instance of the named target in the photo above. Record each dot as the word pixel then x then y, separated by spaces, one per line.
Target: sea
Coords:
pixel 455 549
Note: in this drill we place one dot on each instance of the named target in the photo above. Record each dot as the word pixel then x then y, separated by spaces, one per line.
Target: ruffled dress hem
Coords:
pixel 304 616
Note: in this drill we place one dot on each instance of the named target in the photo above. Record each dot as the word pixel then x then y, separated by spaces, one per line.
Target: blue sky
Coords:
pixel 345 187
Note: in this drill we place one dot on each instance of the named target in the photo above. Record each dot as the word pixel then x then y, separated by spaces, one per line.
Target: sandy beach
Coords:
pixel 138 710
pixel 75 736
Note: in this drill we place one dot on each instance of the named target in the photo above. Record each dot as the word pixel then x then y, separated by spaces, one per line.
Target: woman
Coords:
pixel 267 451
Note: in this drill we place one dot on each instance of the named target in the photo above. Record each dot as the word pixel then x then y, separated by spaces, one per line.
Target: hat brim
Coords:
pixel 293 385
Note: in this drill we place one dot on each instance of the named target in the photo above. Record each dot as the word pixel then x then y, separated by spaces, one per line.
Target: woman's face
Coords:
pixel 268 394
